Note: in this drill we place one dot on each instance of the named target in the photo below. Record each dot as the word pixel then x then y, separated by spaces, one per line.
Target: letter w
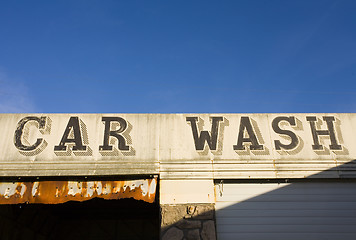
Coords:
pixel 205 135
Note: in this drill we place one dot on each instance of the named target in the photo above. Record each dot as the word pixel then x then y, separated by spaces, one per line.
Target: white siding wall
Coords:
pixel 286 211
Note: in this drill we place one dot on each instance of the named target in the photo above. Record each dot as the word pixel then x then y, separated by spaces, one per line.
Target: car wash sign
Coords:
pixel 174 145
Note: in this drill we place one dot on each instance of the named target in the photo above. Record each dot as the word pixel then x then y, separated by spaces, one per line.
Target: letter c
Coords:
pixel 20 130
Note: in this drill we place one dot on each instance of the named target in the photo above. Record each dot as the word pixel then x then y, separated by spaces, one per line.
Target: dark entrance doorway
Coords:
pixel 92 219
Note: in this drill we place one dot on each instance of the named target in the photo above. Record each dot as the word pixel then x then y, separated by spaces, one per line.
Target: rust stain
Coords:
pixel 54 192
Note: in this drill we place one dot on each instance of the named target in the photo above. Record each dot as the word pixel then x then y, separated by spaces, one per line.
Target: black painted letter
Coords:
pixel 329 132
pixel 245 124
pixel 19 133
pixel 277 129
pixel 116 133
pixel 205 135
pixel 73 125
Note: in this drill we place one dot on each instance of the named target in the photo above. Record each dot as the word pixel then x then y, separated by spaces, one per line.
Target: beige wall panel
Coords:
pixel 143 160
pixel 186 191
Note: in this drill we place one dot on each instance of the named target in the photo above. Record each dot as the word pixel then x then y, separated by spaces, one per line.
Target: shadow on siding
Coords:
pixel 308 209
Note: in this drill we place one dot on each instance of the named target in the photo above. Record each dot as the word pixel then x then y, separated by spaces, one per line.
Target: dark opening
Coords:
pixel 93 219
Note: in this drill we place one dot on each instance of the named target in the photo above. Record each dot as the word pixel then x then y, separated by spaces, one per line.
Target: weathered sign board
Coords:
pixel 179 146
pixel 53 192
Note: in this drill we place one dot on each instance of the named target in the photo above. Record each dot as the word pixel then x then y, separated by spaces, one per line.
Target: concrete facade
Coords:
pixel 177 146
pixel 188 152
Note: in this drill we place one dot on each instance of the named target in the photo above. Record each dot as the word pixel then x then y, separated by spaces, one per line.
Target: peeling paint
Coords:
pixel 53 192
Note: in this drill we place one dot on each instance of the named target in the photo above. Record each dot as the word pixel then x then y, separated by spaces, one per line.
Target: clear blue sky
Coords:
pixel 178 56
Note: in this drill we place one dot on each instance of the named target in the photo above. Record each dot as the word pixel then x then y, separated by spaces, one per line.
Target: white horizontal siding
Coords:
pixel 286 211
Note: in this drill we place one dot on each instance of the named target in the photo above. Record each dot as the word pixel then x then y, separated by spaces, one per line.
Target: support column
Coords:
pixel 187 210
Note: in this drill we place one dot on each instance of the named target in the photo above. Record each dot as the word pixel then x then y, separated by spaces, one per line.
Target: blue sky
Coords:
pixel 178 56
